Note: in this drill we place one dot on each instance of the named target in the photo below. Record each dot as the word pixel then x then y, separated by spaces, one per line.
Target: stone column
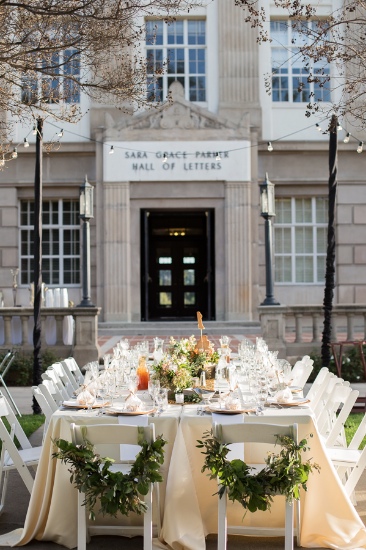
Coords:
pixel 116 244
pixel 238 251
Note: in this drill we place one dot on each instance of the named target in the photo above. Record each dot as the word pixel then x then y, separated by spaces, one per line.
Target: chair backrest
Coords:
pixel 108 438
pixel 301 371
pixel 254 432
pixel 6 363
pixel 70 374
pixel 319 385
pixel 74 368
pixel 339 407
pixel 51 393
pixel 43 403
pixel 15 428
pixel 51 374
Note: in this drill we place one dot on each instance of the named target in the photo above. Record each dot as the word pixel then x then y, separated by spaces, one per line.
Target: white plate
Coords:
pixel 123 412
pixel 214 409
pixel 75 405
pixel 295 402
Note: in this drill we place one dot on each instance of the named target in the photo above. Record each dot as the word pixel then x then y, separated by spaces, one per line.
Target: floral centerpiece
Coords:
pixel 182 361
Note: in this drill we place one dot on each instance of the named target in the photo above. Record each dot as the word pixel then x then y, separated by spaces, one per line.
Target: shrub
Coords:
pixel 21 369
pixel 351 368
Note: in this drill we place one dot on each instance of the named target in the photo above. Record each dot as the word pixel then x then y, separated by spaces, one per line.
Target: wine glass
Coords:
pixel 153 389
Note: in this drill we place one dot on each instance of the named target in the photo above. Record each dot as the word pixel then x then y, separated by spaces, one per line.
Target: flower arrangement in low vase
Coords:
pixel 182 361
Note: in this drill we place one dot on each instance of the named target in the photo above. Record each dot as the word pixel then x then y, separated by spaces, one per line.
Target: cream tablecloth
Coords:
pixel 52 511
pixel 329 519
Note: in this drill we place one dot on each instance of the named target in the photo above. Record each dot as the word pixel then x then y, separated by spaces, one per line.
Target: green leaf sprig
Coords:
pixel 115 491
pixel 284 473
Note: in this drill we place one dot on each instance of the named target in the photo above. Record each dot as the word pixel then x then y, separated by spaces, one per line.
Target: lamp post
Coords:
pixel 86 213
pixel 267 203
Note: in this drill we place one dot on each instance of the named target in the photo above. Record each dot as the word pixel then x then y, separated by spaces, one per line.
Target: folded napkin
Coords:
pixel 284 396
pixel 85 397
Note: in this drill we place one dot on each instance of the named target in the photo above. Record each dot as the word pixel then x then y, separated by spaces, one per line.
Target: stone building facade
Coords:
pixel 177 225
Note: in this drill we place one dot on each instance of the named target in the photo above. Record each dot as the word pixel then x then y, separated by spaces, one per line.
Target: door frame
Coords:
pixel 144 254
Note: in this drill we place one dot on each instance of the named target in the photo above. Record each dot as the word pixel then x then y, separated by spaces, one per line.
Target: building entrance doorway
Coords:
pixel 177 264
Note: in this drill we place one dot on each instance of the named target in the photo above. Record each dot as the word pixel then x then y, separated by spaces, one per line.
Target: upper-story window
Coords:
pixel 56 81
pixel 300 231
pixel 176 51
pixel 290 72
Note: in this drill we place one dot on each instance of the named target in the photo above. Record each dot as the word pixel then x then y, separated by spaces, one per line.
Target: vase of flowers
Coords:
pixel 183 361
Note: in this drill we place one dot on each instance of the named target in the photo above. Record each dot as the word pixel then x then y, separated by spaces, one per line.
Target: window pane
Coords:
pixel 188 277
pixel 303 211
pixel 283 269
pixel 321 210
pixel 165 277
pixel 165 260
pixel 303 240
pixel 189 260
pixel 321 268
pixel 282 240
pixel 165 299
pixel 321 240
pixel 189 298
pixel 304 269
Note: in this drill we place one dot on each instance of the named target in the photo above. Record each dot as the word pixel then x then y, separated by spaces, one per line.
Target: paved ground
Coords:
pixel 14 514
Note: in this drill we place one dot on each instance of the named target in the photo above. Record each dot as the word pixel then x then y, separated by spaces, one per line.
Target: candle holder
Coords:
pixel 14 273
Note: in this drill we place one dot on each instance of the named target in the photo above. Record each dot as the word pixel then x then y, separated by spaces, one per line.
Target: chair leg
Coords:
pixel 289 526
pixel 82 519
pixel 222 523
pixel 148 531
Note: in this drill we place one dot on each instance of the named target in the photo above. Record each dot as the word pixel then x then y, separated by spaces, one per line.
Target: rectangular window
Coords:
pixel 176 52
pixel 56 81
pixel 60 242
pixel 291 73
pixel 300 236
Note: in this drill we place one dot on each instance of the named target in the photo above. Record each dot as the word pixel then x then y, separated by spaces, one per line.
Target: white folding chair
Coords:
pixel 116 435
pixel 256 433
pixel 301 371
pixel 51 374
pixel 335 413
pixel 318 387
pixel 350 461
pixel 4 367
pixel 44 405
pixel 64 378
pixel 12 458
pixel 52 394
pixel 74 369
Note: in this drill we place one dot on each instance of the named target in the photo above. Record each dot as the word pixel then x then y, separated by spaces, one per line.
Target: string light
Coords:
pixel 360 147
pixel 111 150
pixel 218 156
pixel 318 127
pixel 339 127
pixel 346 139
pixel 14 154
pixel 269 147
pixel 26 142
pixel 61 133
pixel 2 161
pixel 165 158
pixel 34 131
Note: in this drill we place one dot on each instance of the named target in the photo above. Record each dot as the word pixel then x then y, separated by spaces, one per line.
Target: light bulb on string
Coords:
pixel 269 147
pixel 61 133
pixel 218 156
pixel 111 150
pixel 165 158
pixel 2 161
pixel 318 127
pixel 339 127
pixel 360 147
pixel 14 154
pixel 346 139
pixel 34 131
pixel 26 142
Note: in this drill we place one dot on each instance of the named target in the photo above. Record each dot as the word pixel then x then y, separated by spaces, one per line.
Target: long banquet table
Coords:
pixel 188 507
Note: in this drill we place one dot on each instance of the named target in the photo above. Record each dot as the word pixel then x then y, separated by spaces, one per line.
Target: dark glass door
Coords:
pixel 178 265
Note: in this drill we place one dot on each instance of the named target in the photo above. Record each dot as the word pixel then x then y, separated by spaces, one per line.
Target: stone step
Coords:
pixel 176 328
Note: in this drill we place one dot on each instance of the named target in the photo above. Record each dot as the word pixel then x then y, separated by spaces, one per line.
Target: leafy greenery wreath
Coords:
pixel 284 473
pixel 117 492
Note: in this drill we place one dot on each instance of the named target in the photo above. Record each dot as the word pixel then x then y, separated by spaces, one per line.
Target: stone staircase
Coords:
pixel 179 328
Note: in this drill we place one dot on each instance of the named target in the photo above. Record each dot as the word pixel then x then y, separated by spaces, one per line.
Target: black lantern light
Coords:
pixel 267 204
pixel 86 213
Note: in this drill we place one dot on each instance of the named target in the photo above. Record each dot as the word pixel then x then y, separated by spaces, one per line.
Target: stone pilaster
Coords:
pixel 117 251
pixel 238 251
